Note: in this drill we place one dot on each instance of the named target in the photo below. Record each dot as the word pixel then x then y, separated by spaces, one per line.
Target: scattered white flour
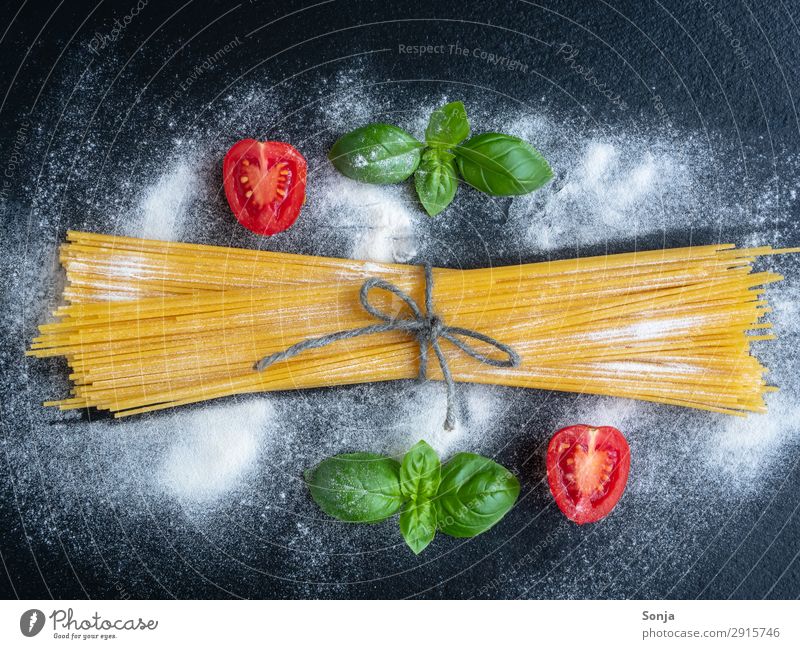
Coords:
pixel 600 196
pixel 744 448
pixel 348 101
pixel 214 449
pixel 422 413
pixel 378 219
pixel 164 206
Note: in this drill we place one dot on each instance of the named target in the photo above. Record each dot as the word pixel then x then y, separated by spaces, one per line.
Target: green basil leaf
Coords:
pixel 436 180
pixel 357 487
pixel 380 154
pixel 502 165
pixel 448 125
pixel 420 472
pixel 474 494
pixel 418 525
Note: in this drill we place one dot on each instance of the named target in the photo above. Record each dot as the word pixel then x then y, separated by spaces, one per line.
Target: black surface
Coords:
pixel 674 50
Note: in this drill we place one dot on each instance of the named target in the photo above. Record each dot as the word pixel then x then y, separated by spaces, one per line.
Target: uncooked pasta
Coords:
pixel 149 325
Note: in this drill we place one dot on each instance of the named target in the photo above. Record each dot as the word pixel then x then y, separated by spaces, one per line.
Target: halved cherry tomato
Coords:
pixel 265 183
pixel 587 469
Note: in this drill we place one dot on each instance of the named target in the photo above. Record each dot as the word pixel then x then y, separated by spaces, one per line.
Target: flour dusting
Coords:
pixel 380 220
pixel 215 449
pixel 162 211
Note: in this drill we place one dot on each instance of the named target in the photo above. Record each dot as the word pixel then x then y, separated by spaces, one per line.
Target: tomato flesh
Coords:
pixel 587 470
pixel 265 184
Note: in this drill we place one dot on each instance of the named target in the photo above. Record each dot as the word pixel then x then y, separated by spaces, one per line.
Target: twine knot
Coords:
pixel 428 328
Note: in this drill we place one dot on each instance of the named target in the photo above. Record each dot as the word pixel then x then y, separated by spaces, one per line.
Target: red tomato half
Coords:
pixel 265 183
pixel 587 469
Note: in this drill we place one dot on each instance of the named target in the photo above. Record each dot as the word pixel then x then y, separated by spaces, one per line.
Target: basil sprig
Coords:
pixel 494 163
pixel 463 498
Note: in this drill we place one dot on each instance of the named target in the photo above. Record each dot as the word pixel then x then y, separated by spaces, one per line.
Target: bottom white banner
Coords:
pixel 385 624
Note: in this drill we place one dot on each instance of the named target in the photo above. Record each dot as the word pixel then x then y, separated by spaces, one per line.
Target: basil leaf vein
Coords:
pixel 447 125
pixel 436 180
pixel 380 154
pixel 420 472
pixel 502 165
pixel 474 494
pixel 418 525
pixel 357 487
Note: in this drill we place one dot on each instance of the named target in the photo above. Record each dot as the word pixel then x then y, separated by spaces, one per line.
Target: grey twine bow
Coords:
pixel 426 327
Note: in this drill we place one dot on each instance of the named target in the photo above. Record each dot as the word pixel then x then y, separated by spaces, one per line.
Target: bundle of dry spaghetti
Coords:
pixel 151 324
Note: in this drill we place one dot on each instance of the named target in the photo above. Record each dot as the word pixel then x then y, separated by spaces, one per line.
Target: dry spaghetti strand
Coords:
pixel 149 325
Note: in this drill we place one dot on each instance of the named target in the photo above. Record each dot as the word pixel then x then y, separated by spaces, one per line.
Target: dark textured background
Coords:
pixel 674 50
